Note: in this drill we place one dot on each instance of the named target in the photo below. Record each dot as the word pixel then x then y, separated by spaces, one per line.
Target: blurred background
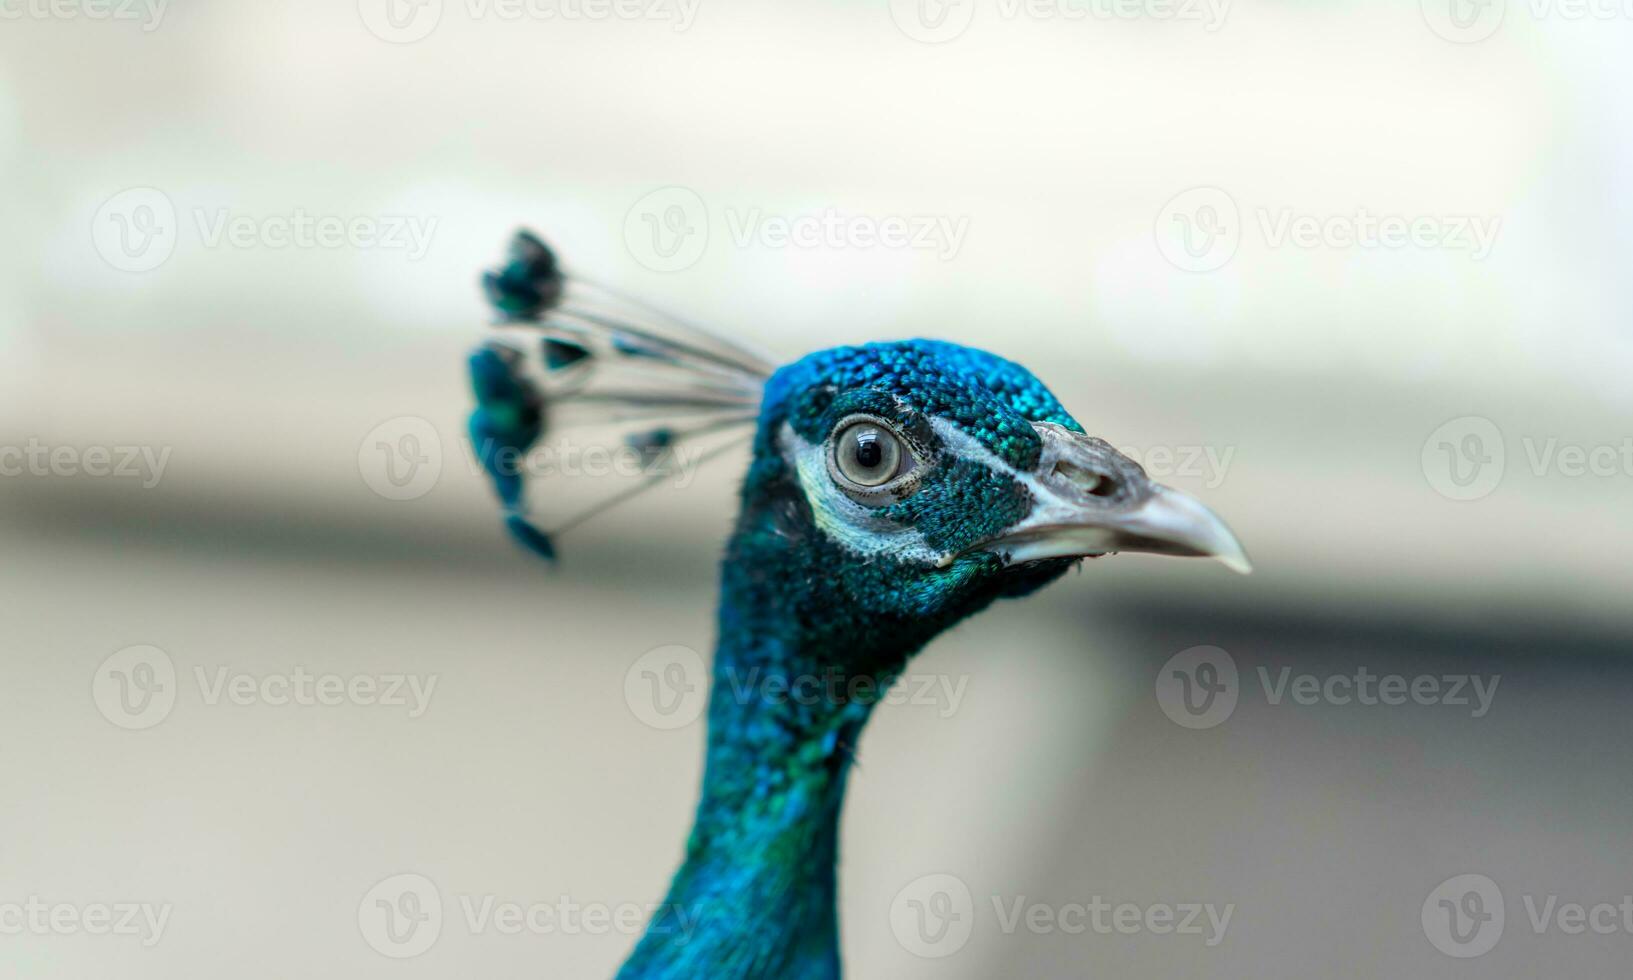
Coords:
pixel 1352 273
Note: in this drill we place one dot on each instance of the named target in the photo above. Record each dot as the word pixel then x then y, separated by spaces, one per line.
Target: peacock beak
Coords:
pixel 1091 500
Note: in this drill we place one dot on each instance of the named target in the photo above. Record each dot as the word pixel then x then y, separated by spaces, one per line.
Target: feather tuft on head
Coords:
pixel 573 355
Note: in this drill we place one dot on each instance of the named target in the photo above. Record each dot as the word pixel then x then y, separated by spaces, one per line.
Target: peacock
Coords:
pixel 893 489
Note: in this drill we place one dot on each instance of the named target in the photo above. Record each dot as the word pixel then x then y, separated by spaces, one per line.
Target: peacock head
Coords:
pixel 919 480
pixel 894 488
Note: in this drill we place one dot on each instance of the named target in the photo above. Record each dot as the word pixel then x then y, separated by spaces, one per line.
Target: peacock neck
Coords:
pixel 756 895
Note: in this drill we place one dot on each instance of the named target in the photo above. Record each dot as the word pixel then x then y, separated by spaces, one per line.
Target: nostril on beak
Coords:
pixel 1090 482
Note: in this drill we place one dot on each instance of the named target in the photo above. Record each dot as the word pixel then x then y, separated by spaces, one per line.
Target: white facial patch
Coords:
pixel 958 441
pixel 857 528
pixel 862 530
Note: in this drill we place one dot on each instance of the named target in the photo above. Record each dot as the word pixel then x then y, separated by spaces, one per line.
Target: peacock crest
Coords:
pixel 571 355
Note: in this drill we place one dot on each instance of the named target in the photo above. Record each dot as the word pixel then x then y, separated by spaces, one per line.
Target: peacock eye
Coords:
pixel 867 454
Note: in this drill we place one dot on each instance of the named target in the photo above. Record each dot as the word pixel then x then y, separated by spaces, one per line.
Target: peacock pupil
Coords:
pixel 868 451
pixel 868 455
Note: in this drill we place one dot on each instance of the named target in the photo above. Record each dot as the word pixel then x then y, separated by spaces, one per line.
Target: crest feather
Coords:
pixel 651 392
